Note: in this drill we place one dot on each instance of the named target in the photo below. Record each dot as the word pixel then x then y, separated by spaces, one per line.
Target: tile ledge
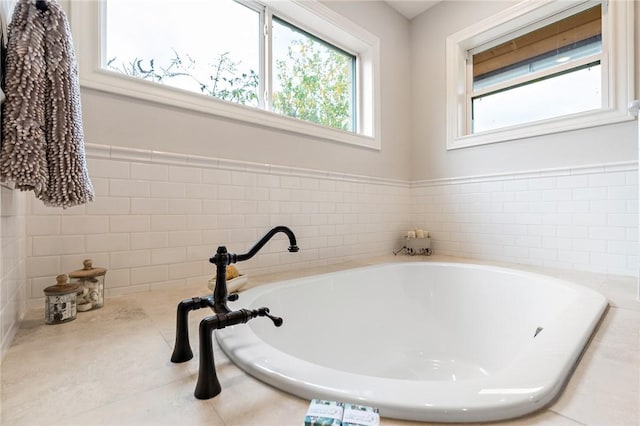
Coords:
pixel 616 167
pixel 169 158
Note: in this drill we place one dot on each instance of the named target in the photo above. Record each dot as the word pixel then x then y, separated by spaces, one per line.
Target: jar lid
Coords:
pixel 61 287
pixel 88 271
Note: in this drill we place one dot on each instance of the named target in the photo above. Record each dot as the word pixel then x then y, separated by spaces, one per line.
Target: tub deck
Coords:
pixel 604 389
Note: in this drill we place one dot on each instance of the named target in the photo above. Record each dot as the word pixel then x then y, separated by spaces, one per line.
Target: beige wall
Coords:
pixel 117 120
pixel 430 159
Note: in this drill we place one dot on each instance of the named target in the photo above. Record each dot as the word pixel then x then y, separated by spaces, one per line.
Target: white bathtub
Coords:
pixel 421 341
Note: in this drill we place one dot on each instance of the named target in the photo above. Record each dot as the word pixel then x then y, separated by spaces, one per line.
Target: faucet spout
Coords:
pixel 293 245
pixel 222 258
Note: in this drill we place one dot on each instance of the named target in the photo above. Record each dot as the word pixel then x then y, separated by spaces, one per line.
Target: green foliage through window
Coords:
pixel 222 80
pixel 311 79
pixel 315 84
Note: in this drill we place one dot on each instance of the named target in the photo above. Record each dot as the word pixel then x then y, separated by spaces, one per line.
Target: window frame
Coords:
pixel 617 60
pixel 271 17
pixel 88 32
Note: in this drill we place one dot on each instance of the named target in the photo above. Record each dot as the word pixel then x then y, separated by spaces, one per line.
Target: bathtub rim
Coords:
pixel 262 361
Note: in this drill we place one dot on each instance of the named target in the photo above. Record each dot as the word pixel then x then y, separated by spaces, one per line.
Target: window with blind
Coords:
pixel 549 72
pixel 539 69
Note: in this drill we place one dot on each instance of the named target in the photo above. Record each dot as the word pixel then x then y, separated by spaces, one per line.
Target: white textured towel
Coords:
pixel 42 136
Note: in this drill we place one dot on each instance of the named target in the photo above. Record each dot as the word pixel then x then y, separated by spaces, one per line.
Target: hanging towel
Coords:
pixel 42 136
pixel 5 11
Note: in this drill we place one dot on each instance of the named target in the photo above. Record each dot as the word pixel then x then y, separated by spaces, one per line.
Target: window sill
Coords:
pixel 166 95
pixel 540 128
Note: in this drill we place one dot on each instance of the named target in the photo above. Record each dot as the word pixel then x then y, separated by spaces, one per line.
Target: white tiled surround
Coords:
pixel 12 264
pixel 158 218
pixel 583 218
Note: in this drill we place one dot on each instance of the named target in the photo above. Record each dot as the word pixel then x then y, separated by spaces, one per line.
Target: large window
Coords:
pixel 178 45
pixel 312 80
pixel 539 68
pixel 548 72
pixel 249 60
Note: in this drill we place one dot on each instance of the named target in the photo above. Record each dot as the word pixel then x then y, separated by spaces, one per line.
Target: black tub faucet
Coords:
pixel 208 385
pixel 221 259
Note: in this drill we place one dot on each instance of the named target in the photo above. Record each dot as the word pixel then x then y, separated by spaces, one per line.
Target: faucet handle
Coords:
pixel 264 312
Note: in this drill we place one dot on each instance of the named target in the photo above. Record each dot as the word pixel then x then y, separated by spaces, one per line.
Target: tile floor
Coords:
pixel 111 367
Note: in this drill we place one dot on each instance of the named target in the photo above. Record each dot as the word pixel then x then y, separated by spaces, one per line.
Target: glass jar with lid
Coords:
pixel 91 282
pixel 60 301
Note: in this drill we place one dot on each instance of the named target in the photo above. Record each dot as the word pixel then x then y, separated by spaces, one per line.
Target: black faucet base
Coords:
pixel 208 385
pixel 182 349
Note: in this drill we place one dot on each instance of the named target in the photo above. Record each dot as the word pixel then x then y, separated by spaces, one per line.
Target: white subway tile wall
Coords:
pixel 585 218
pixel 158 218
pixel 13 289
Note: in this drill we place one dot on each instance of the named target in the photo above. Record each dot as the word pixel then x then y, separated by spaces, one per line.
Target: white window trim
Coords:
pixel 319 19
pixel 617 69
